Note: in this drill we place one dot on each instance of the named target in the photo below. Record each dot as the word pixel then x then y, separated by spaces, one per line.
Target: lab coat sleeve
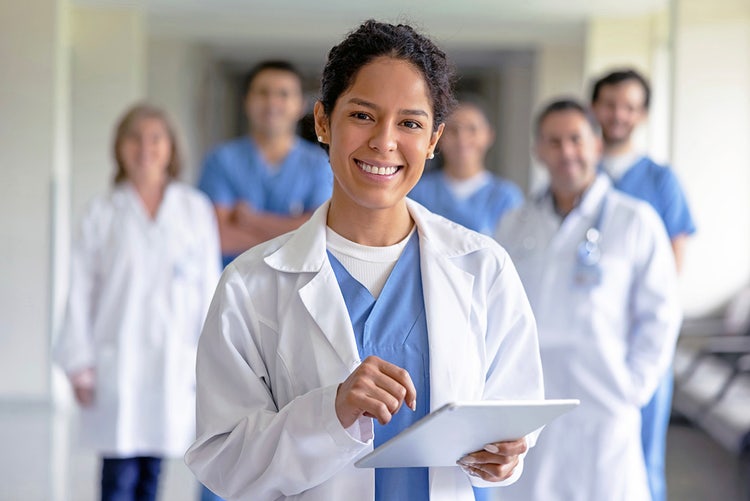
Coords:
pixel 514 364
pixel 73 349
pixel 247 448
pixel 655 309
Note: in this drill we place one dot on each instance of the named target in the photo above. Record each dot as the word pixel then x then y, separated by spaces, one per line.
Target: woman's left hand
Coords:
pixel 495 462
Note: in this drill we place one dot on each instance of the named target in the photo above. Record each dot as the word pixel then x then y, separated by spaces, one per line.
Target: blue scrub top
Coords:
pixel 658 185
pixel 236 171
pixel 394 328
pixel 480 212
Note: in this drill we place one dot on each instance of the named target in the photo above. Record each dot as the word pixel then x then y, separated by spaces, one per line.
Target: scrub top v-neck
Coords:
pixel 393 327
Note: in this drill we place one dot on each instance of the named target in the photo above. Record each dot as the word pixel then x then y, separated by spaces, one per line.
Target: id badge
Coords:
pixel 587 275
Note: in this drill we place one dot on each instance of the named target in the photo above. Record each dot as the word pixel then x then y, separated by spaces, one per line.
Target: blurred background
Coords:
pixel 69 69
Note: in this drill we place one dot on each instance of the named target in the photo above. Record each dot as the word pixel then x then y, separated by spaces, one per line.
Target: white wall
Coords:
pixel 109 75
pixel 177 81
pixel 711 145
pixel 32 100
pixel 559 72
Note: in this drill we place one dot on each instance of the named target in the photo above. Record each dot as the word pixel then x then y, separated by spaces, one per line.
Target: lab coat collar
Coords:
pixel 448 295
pixel 592 199
pixel 126 193
pixel 590 202
pixel 305 250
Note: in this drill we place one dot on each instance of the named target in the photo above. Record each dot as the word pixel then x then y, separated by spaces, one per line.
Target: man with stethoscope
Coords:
pixel 600 275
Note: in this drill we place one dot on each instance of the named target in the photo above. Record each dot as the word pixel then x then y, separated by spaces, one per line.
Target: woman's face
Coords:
pixel 146 151
pixel 379 135
pixel 466 140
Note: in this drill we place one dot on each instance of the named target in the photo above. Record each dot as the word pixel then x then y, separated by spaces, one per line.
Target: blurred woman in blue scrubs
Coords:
pixel 464 191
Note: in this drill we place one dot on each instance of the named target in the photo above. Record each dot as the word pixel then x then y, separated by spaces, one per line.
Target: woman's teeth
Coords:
pixel 381 171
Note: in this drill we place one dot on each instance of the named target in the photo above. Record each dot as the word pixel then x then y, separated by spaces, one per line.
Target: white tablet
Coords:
pixel 447 434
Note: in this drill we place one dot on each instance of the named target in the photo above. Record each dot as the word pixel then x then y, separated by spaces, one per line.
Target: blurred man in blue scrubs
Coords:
pixel 270 181
pixel 620 102
pixel 464 191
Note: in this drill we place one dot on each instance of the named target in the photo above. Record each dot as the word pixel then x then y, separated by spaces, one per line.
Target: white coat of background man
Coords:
pixel 600 275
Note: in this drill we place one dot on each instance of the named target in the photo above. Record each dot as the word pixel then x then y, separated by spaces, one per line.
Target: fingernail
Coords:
pixel 413 405
pixel 491 448
pixel 468 460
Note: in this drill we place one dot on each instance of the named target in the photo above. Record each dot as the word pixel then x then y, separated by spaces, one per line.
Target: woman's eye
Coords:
pixel 411 124
pixel 359 115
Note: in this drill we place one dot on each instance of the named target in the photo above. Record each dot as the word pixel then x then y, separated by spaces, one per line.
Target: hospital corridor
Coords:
pixel 242 244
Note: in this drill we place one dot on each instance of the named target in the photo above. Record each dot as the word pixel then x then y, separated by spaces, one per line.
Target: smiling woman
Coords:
pixel 316 339
pixel 380 134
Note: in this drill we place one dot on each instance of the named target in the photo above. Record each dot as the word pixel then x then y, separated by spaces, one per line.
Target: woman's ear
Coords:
pixel 435 138
pixel 322 124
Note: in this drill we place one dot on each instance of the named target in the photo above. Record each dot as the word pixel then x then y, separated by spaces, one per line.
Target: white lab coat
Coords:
pixel 278 341
pixel 139 291
pixel 607 345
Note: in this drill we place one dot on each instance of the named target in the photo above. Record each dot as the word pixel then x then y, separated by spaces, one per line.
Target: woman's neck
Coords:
pixel 151 195
pixel 372 227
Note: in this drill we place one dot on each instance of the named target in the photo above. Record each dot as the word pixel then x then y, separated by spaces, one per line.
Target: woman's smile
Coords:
pixel 378 169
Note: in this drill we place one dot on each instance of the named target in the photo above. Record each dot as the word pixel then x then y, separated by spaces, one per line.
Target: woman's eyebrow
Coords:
pixel 373 106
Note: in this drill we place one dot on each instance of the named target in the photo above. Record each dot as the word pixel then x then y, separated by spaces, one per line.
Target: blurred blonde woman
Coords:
pixel 144 265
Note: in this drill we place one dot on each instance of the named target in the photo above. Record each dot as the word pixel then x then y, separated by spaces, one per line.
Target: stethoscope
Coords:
pixel 588 255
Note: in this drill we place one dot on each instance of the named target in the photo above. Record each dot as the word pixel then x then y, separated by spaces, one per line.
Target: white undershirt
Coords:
pixel 464 188
pixel 368 265
pixel 617 165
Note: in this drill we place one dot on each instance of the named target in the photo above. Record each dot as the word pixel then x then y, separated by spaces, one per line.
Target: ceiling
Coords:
pixel 311 27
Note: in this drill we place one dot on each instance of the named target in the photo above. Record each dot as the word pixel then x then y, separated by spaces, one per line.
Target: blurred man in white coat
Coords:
pixel 600 275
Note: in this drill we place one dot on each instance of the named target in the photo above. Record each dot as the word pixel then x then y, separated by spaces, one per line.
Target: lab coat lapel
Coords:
pixel 325 304
pixel 447 298
pixel 584 214
pixel 305 252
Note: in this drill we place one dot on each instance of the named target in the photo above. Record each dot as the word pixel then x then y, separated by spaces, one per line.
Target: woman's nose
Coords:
pixel 383 138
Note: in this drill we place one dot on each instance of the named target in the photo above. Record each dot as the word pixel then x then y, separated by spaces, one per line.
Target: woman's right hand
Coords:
pixel 375 389
pixel 84 384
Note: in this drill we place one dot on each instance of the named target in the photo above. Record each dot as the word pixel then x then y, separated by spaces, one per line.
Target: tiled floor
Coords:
pixel 40 462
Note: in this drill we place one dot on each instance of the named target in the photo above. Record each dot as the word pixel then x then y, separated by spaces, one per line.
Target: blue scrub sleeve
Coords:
pixel 215 183
pixel 515 196
pixel 676 213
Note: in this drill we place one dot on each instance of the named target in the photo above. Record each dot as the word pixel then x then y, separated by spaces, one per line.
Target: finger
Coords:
pixel 371 382
pixel 483 457
pixel 376 409
pixel 508 448
pixel 84 396
pixel 402 377
pixel 492 472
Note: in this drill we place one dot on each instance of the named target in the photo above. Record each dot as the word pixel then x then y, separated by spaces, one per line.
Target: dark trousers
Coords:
pixel 130 479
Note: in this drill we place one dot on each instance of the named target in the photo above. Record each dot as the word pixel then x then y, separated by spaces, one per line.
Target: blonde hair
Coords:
pixel 126 124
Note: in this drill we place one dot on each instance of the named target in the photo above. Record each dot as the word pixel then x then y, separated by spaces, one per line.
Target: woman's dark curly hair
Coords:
pixel 374 39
